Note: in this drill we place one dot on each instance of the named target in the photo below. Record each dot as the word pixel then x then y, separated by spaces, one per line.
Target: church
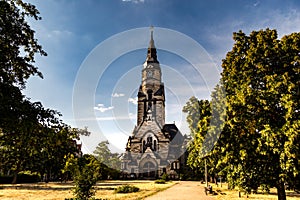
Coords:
pixel 154 148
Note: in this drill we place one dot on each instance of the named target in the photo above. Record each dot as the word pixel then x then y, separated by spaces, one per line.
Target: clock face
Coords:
pixel 149 73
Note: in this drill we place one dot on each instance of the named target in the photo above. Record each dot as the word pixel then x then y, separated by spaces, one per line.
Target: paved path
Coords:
pixel 183 190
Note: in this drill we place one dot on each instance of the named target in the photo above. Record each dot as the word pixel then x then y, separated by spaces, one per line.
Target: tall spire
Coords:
pixel 151 43
pixel 151 54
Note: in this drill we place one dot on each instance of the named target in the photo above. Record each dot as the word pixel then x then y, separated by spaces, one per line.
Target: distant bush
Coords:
pixel 23 177
pixel 164 177
pixel 126 189
pixel 28 178
pixel 6 179
pixel 160 181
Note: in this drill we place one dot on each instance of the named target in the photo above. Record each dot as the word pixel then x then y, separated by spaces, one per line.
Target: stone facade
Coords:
pixel 154 147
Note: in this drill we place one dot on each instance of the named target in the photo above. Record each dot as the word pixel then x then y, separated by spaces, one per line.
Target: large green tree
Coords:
pixel 261 79
pixel 31 137
pixel 22 135
pixel 206 122
pixel 18 44
pixel 105 156
pixel 198 118
pixel 111 163
pixel 256 110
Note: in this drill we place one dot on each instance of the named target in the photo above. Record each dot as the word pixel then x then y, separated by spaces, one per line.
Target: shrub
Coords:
pixel 164 177
pixel 160 181
pixel 126 189
pixel 23 177
pixel 6 179
pixel 85 172
pixel 26 177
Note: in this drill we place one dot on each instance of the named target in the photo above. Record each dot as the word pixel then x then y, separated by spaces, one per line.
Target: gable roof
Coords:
pixel 175 135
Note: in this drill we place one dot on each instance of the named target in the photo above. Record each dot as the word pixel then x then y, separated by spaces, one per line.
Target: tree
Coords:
pixel 17 42
pixel 198 118
pixel 58 143
pixel 206 119
pixel 102 152
pixel 31 137
pixel 17 49
pixel 258 118
pixel 111 161
pixel 20 136
pixel 261 79
pixel 85 172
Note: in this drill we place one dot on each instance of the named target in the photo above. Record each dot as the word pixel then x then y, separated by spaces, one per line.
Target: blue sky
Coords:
pixel 71 30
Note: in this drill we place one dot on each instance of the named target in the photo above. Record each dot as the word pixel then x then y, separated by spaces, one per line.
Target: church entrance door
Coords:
pixel 149 170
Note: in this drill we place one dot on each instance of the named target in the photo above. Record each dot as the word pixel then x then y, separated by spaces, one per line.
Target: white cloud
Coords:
pixel 105 118
pixel 134 1
pixel 133 100
pixel 118 95
pixel 112 118
pixel 284 22
pixel 57 34
pixel 102 108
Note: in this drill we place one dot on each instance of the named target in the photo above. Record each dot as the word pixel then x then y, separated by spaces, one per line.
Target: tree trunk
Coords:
pixel 281 190
pixel 14 181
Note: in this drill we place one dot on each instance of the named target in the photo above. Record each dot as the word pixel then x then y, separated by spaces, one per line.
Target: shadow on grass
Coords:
pixel 288 193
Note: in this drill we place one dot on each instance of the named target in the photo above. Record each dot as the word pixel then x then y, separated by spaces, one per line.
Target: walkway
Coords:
pixel 183 190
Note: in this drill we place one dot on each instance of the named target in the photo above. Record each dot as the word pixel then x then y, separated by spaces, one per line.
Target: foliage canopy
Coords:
pixel 260 140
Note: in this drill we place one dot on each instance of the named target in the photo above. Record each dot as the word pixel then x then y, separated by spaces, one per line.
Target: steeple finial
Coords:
pixel 151 43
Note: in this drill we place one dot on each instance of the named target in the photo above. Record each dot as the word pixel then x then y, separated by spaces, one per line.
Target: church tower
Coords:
pixel 153 147
pixel 151 95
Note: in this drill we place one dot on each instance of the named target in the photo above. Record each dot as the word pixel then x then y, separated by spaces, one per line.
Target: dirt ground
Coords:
pixel 189 190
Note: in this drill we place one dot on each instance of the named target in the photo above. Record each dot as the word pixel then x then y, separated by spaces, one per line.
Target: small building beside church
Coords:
pixel 154 148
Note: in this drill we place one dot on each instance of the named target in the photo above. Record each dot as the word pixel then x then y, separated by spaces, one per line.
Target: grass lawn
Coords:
pixel 60 191
pixel 224 194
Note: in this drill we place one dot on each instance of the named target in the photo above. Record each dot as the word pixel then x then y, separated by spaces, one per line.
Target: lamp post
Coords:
pixel 206 183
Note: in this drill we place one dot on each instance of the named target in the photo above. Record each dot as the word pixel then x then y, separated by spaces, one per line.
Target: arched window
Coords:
pixel 150 141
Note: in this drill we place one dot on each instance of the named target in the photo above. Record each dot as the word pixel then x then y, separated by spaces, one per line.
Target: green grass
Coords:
pixel 60 191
